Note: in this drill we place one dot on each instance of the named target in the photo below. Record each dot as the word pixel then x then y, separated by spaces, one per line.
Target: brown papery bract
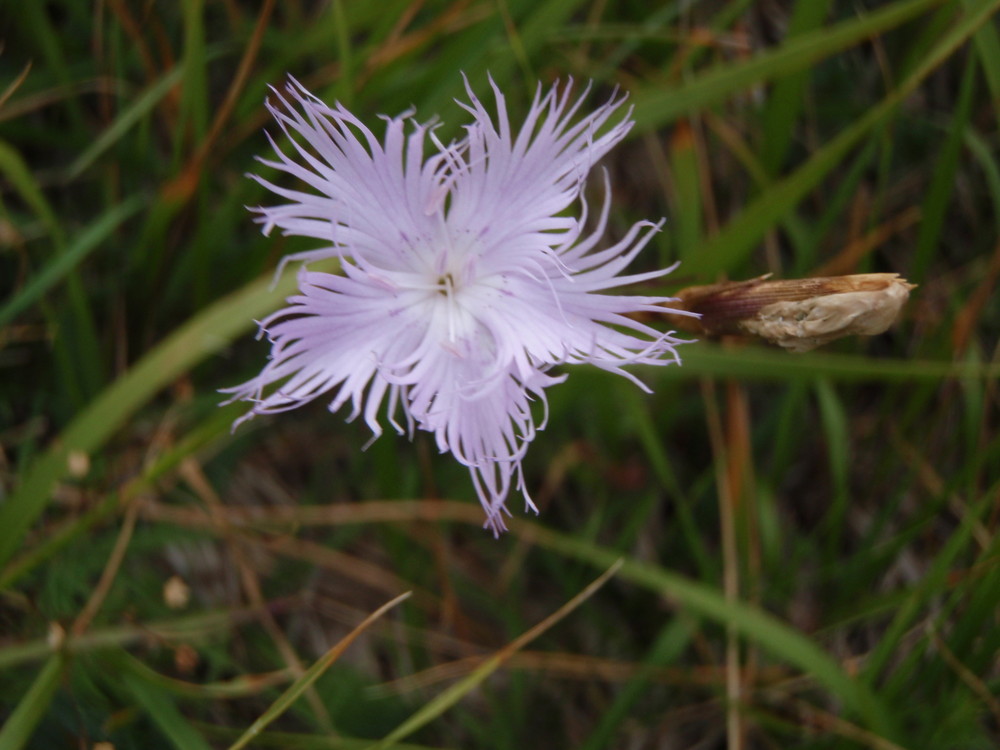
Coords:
pixel 796 314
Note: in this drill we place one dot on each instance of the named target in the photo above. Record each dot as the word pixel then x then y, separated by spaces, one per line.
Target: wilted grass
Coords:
pixel 803 548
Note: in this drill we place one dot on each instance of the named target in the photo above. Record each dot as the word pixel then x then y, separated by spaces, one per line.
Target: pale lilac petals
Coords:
pixel 464 281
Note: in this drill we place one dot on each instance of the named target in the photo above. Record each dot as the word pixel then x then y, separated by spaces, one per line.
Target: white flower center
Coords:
pixel 453 300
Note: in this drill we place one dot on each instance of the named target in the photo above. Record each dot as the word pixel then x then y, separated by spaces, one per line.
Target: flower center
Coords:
pixel 446 286
pixel 455 319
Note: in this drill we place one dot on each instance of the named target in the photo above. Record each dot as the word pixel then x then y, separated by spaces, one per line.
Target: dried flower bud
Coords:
pixel 799 314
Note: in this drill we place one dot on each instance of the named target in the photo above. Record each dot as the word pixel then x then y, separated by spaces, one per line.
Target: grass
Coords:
pixel 769 551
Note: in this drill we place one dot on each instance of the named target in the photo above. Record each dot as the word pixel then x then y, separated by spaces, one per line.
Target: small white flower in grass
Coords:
pixel 463 280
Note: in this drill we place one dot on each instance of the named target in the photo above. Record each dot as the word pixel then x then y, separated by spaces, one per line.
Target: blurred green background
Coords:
pixel 809 543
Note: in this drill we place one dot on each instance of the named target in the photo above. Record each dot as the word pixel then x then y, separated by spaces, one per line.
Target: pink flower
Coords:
pixel 464 281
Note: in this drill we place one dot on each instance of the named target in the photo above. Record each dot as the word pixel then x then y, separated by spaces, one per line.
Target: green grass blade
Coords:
pixel 836 431
pixel 441 703
pixel 57 269
pixel 760 364
pixel 987 42
pixel 205 334
pixel 687 212
pixel 344 91
pixel 740 236
pixel 297 688
pixel 34 22
pixel 669 645
pixel 188 627
pixel 194 66
pixel 787 98
pixel 781 640
pixel 19 726
pixel 141 108
pixel 933 584
pixel 207 431
pixel 14 168
pixel 303 741
pixel 160 708
pixel 237 687
pixel 654 108
pixel 942 187
pixel 77 352
pixel 983 152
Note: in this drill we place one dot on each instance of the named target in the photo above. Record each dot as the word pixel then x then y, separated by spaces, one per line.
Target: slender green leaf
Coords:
pixel 983 153
pixel 756 363
pixel 654 108
pixel 62 264
pixel 669 645
pixel 933 583
pixel 734 243
pixel 837 450
pixel 21 724
pixel 987 43
pixel 195 91
pixel 779 639
pixel 206 334
pixel 209 430
pixel 788 98
pixel 686 216
pixel 158 706
pixel 297 688
pixel 127 120
pixel 12 167
pixel 438 705
pixel 942 187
